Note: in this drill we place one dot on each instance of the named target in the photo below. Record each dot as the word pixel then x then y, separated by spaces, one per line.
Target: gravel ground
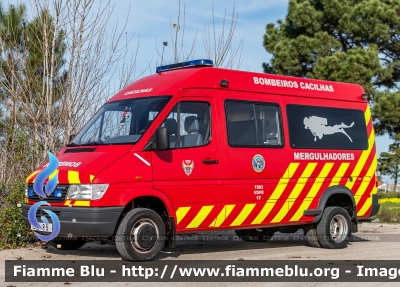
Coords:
pixel 384 244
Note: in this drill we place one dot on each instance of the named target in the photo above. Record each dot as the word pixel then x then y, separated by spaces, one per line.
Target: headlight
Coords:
pixel 26 190
pixel 86 191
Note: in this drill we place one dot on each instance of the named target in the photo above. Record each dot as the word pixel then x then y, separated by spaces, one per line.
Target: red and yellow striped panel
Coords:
pixel 292 197
pixel 76 203
pixel 66 177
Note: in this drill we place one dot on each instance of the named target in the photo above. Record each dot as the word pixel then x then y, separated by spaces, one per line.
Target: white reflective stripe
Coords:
pixel 142 159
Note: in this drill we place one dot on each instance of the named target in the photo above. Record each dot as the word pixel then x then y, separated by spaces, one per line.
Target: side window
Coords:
pixel 253 124
pixel 326 128
pixel 189 124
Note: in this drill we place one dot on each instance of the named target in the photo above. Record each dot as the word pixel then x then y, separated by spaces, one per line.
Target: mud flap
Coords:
pixel 354 226
pixel 170 242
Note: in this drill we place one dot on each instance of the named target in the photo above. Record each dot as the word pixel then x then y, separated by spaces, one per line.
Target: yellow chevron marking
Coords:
pixel 265 211
pixel 73 177
pixel 291 170
pixel 362 160
pixel 203 213
pixel 276 194
pixel 243 214
pixel 367 115
pixel 340 173
pixel 313 191
pixel 67 202
pixel 301 182
pixel 91 178
pixel 370 173
pixel 82 203
pixel 365 207
pixel 180 213
pixel 366 180
pixel 31 175
pixel 53 174
pixel 226 210
pixel 367 203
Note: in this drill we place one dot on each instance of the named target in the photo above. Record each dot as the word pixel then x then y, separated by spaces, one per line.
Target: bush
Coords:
pixel 389 195
pixel 388 214
pixel 14 232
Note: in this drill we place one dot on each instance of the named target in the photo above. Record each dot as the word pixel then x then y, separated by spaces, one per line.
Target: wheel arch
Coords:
pixel 338 195
pixel 157 201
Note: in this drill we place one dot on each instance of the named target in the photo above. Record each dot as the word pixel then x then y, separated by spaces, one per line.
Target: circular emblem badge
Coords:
pixel 258 163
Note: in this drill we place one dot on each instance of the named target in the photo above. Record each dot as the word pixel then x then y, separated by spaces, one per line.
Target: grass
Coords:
pixel 389 210
pixel 389 195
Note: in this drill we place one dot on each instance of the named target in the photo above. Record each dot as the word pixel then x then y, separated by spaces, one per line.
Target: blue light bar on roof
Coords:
pixel 193 63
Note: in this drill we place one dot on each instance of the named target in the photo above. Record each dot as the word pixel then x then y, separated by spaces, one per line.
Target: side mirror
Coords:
pixel 71 137
pixel 162 138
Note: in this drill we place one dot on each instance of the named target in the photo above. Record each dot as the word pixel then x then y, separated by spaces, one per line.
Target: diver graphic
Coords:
pixel 319 127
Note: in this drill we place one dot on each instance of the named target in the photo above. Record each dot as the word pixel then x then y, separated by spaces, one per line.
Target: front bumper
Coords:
pixel 375 205
pixel 82 221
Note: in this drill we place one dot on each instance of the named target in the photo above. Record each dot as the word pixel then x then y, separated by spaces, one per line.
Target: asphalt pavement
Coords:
pixel 374 241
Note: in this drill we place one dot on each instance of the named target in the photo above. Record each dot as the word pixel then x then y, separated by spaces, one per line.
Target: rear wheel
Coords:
pixel 140 235
pixel 258 234
pixel 310 232
pixel 334 229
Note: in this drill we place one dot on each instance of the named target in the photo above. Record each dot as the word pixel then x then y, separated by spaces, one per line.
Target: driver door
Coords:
pixel 189 172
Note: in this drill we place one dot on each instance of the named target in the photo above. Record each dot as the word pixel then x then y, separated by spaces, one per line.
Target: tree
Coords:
pixel 178 44
pixel 25 82
pixel 389 162
pixel 56 70
pixel 386 112
pixel 218 44
pixel 343 40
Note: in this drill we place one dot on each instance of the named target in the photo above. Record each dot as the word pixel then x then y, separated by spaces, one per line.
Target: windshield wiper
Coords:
pixel 71 144
pixel 92 143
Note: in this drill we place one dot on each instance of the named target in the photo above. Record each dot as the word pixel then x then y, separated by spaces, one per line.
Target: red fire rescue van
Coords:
pixel 195 148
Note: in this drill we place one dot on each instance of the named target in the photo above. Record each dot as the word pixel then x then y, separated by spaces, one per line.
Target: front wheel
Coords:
pixel 334 229
pixel 140 235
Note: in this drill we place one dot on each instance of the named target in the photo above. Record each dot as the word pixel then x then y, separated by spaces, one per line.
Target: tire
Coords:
pixel 140 235
pixel 310 232
pixel 334 229
pixel 67 244
pixel 258 234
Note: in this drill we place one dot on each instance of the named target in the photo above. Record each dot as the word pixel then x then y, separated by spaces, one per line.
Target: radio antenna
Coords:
pixel 162 55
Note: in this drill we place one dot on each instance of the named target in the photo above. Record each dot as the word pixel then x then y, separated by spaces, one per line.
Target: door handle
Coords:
pixel 210 161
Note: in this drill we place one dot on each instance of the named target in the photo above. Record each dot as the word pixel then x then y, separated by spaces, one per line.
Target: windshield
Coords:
pixel 121 121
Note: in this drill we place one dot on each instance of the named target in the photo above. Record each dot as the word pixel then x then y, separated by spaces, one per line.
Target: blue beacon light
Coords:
pixel 187 64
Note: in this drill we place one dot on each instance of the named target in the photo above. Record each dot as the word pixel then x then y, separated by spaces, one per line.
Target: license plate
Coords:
pixel 45 227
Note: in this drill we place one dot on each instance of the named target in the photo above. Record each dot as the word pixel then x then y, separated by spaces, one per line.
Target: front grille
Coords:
pixel 43 213
pixel 61 188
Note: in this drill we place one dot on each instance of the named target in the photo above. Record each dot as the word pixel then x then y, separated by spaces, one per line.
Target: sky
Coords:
pixel 152 20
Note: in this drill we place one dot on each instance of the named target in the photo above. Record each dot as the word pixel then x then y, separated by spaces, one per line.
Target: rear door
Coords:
pixel 189 172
